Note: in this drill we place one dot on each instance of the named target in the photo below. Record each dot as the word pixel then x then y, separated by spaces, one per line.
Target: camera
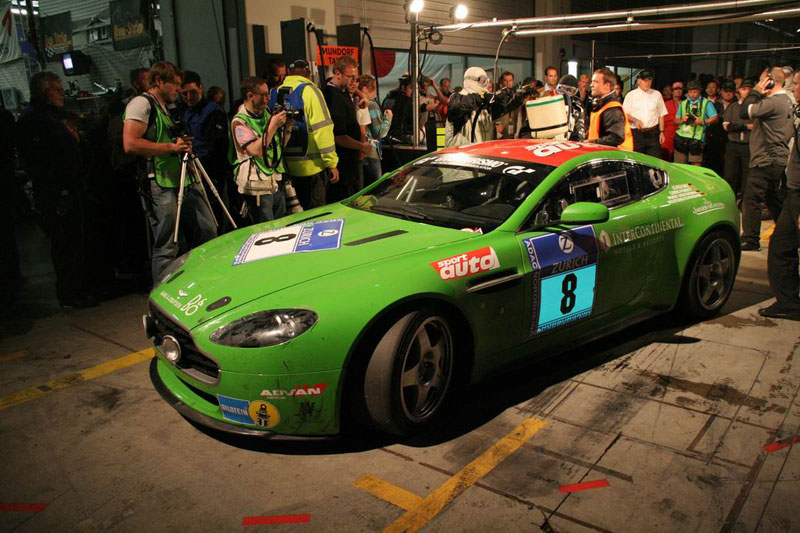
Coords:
pixel 527 90
pixel 282 104
pixel 178 128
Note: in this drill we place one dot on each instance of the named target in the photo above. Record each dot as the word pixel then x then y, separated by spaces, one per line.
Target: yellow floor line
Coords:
pixel 387 491
pixel 415 518
pixel 69 380
pixel 14 355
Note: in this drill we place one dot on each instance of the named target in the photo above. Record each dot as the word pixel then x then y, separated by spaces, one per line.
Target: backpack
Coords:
pixel 298 143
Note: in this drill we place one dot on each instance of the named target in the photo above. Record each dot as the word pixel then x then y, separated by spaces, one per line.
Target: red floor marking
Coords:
pixel 600 483
pixel 23 507
pixel 780 444
pixel 279 519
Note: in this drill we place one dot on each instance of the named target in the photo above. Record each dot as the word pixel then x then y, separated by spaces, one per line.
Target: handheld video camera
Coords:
pixel 282 104
pixel 527 90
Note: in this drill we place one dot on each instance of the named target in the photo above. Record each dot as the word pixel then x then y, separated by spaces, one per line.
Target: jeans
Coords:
pixel 762 186
pixel 372 170
pixel 782 259
pixel 266 207
pixel 196 224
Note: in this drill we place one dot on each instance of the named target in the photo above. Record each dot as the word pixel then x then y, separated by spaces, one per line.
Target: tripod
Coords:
pixel 190 161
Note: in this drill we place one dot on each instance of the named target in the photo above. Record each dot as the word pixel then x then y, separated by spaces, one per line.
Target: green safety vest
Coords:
pixel 167 167
pixel 259 126
pixel 692 132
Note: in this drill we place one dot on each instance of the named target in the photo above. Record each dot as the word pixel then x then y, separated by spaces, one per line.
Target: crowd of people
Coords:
pixel 168 146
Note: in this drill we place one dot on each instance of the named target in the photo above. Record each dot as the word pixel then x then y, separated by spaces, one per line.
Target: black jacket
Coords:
pixel 461 106
pixel 612 122
pixel 49 153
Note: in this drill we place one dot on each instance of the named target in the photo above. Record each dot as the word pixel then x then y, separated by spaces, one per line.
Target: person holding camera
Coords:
pixel 770 109
pixel 694 116
pixel 259 144
pixel 149 132
pixel 472 112
pixel 310 156
pixel 782 259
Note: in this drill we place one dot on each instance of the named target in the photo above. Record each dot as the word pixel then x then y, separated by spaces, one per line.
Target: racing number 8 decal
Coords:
pixel 279 238
pixel 568 286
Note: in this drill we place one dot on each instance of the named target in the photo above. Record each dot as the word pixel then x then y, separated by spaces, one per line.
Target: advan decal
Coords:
pixel 467 264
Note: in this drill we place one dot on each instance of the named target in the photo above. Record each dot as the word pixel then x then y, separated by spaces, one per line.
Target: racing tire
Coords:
pixel 409 376
pixel 710 276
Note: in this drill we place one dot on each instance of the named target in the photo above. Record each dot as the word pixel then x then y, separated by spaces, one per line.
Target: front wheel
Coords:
pixel 710 276
pixel 410 373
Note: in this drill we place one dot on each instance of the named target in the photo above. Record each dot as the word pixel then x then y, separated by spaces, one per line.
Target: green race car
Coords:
pixel 463 263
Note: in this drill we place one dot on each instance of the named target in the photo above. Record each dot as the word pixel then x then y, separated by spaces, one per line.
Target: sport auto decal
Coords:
pixel 467 264
pixel 565 274
pixel 306 237
pixel 257 413
pixel 305 390
pixel 556 147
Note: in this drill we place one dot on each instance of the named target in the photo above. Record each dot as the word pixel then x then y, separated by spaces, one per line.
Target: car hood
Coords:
pixel 223 273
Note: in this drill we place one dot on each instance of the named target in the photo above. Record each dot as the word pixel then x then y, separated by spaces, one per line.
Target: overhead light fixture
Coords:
pixel 458 12
pixel 415 6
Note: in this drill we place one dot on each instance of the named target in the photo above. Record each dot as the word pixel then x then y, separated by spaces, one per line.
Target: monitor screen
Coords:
pixel 67 60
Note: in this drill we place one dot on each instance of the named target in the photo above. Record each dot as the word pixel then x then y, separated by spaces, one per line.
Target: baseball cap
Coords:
pixel 749 82
pixel 645 75
pixel 693 85
pixel 298 63
pixel 729 86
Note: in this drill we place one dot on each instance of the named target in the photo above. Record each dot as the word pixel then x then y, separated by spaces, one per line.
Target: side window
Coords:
pixel 556 201
pixel 607 183
pixel 649 179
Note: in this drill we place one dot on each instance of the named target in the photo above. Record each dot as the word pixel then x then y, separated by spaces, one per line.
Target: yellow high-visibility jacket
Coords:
pixel 321 153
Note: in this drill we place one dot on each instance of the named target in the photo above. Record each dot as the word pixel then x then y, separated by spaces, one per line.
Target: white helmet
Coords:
pixel 476 80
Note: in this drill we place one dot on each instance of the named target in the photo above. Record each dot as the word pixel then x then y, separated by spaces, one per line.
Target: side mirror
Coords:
pixel 584 213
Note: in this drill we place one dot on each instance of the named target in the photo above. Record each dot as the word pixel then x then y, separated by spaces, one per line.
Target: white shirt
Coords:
pixel 645 106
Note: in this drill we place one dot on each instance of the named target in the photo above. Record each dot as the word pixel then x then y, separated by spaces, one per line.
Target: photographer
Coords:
pixel 782 260
pixel 259 149
pixel 310 156
pixel 693 117
pixel 472 112
pixel 149 132
pixel 770 109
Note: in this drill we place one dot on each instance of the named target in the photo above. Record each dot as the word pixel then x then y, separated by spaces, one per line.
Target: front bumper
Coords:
pixel 213 423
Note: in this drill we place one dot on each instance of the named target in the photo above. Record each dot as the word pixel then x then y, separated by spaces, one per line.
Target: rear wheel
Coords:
pixel 410 373
pixel 712 271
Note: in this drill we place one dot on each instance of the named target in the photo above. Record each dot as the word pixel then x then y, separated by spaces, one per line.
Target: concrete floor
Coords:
pixel 674 427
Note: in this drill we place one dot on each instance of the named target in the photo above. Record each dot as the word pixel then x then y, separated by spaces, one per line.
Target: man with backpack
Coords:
pixel 310 156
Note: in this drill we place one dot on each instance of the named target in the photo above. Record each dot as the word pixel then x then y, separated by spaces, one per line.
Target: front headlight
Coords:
pixel 265 328
pixel 173 266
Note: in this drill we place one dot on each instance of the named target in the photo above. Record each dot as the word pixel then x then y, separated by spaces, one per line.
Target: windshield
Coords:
pixel 457 191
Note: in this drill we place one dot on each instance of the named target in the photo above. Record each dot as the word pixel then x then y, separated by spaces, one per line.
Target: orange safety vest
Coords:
pixel 594 126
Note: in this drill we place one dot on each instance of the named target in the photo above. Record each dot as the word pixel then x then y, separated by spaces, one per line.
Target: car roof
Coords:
pixel 543 151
